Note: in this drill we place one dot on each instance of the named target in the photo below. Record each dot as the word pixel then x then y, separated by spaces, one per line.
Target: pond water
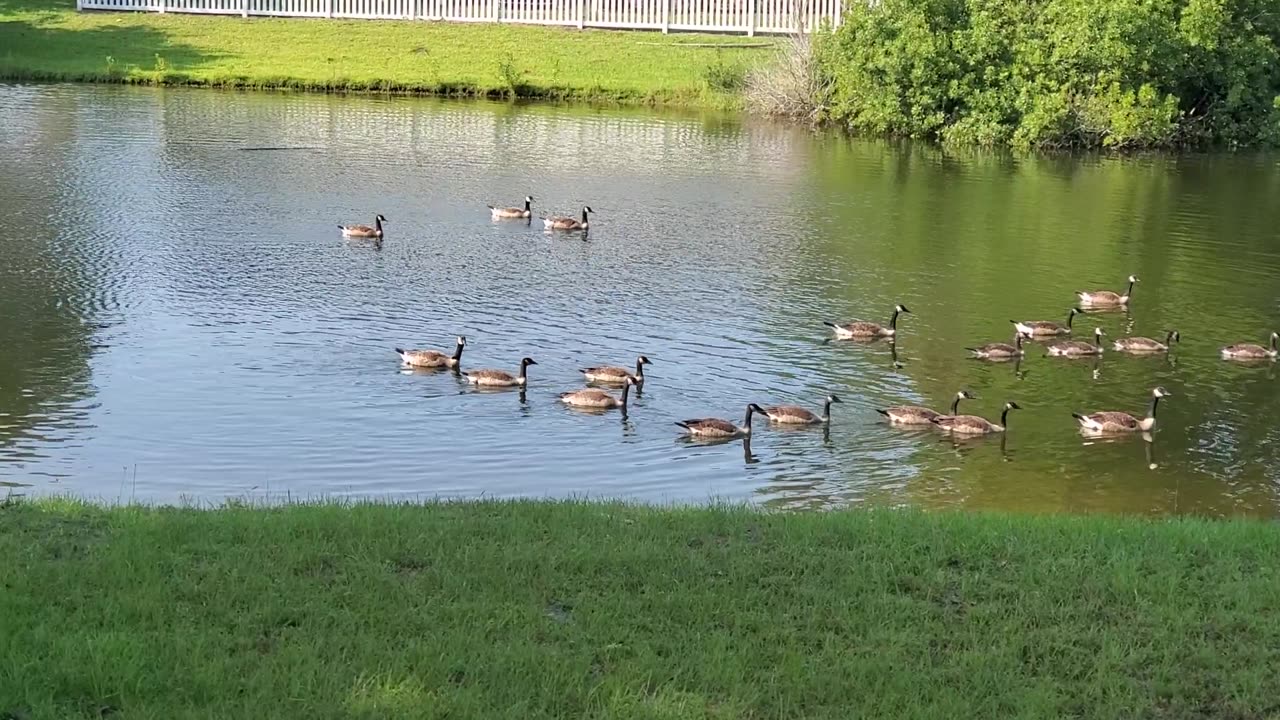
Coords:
pixel 181 320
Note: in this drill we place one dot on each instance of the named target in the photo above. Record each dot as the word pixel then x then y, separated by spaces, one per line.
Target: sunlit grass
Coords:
pixel 49 40
pixel 570 610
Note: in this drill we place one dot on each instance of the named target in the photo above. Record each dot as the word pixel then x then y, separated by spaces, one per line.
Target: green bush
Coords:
pixel 1060 73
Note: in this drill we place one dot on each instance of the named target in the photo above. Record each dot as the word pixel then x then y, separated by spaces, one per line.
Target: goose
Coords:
pixel 794 415
pixel 560 222
pixel 863 329
pixel 1145 344
pixel 364 231
pixel 974 425
pixel 500 378
pixel 1078 348
pixel 512 213
pixel 433 358
pixel 916 415
pixel 614 374
pixel 1249 351
pixel 1045 327
pixel 1106 298
pixel 593 398
pixel 1000 351
pixel 1110 421
pixel 720 429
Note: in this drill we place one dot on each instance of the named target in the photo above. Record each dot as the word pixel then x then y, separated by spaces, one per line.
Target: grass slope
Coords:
pixel 567 610
pixel 49 40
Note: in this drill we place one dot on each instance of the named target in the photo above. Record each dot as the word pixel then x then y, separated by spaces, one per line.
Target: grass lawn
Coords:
pixel 568 610
pixel 49 40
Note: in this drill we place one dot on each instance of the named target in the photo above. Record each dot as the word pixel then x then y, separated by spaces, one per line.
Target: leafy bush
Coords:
pixel 1060 73
pixel 724 77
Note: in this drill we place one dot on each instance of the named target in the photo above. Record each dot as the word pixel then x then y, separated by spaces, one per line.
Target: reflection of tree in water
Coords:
pixel 44 317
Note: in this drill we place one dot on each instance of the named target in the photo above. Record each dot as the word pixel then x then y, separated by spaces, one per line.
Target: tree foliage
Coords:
pixel 1060 73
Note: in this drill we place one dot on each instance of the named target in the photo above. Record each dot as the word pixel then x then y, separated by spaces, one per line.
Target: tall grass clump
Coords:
pixel 1125 74
pixel 795 84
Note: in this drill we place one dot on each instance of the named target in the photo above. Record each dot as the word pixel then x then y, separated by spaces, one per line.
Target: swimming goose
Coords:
pixel 917 415
pixel 364 231
pixel 560 222
pixel 433 358
pixel 1249 351
pixel 500 378
pixel 974 425
pixel 863 329
pixel 1146 344
pixel 1000 351
pixel 1078 348
pixel 1106 298
pixel 794 415
pixel 720 429
pixel 593 398
pixel 1110 421
pixel 1044 327
pixel 614 374
pixel 513 213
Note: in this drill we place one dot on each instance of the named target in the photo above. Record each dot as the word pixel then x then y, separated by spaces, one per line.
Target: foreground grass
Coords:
pixel 49 40
pixel 542 610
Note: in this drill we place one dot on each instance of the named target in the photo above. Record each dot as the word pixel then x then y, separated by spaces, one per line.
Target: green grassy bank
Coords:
pixel 562 610
pixel 47 40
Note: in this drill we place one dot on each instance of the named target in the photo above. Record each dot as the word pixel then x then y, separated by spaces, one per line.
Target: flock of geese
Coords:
pixel 1107 422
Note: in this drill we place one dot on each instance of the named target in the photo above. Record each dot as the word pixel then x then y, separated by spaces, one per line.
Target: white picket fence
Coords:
pixel 737 16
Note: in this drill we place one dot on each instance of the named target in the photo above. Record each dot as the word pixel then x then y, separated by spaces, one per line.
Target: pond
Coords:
pixel 182 320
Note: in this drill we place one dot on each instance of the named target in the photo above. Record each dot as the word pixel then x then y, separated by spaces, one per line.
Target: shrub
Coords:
pixel 794 85
pixel 1060 73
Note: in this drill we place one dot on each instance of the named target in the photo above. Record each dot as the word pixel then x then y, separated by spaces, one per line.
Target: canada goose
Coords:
pixel 720 429
pixel 1101 423
pixel 1044 327
pixel 1078 348
pixel 1000 351
pixel 560 222
pixel 1249 351
pixel 513 213
pixel 500 378
pixel 794 415
pixel 974 425
pixel 916 415
pixel 614 374
pixel 433 358
pixel 593 398
pixel 864 329
pixel 364 231
pixel 1106 298
pixel 1145 344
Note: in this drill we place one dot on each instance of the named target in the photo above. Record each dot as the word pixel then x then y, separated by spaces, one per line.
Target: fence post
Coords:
pixel 751 18
pixel 162 6
pixel 328 8
pixel 244 8
pixel 497 8
pixel 666 16
pixel 580 18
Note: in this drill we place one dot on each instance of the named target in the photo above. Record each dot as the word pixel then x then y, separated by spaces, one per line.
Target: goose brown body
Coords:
pixel 974 424
pixel 1250 351
pixel 919 415
pixel 1000 351
pixel 364 231
pixel 1046 327
pixel 1138 345
pixel 1078 348
pixel 1113 421
pixel 500 378
pixel 433 358
pixel 595 398
pixel 865 329
pixel 796 415
pixel 513 213
pixel 615 374
pixel 562 222
pixel 715 428
pixel 1106 298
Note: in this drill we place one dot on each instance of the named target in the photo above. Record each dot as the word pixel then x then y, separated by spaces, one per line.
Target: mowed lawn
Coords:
pixel 49 40
pixel 579 610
